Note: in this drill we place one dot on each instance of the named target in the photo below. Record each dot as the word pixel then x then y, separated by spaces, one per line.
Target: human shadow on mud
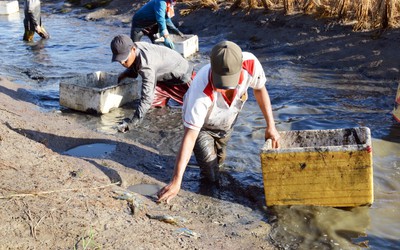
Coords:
pixel 128 155
pixel 149 163
pixel 19 94
pixel 112 174
pixel 41 98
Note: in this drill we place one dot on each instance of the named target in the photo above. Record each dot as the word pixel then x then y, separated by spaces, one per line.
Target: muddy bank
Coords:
pixel 54 201
pixel 50 200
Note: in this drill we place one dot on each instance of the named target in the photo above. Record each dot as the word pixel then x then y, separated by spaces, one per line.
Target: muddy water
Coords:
pixel 74 48
pixel 303 98
pixel 95 150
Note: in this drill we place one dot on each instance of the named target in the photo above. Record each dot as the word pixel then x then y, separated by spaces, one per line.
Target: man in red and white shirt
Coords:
pixel 211 106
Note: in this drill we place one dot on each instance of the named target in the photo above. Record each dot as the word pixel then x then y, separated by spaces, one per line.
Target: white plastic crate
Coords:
pixel 186 45
pixel 11 17
pixel 97 92
pixel 8 7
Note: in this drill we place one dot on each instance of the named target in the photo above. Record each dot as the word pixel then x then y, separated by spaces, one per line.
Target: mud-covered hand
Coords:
pixel 167 193
pixel 273 134
pixel 128 124
pixel 168 42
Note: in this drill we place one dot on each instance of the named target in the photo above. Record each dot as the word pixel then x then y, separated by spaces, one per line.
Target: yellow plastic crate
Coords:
pixel 319 167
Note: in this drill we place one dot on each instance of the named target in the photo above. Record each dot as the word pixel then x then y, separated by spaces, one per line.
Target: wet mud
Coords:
pixel 320 76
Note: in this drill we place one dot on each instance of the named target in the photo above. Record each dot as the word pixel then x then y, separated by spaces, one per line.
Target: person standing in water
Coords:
pixel 33 21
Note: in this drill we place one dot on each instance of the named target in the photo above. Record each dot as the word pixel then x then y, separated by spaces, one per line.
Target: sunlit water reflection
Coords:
pixel 303 98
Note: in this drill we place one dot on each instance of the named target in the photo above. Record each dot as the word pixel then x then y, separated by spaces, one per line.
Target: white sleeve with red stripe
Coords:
pixel 255 69
pixel 196 103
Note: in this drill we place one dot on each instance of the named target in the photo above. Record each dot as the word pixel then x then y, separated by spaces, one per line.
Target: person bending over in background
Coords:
pixel 155 17
pixel 33 21
pixel 165 74
pixel 210 109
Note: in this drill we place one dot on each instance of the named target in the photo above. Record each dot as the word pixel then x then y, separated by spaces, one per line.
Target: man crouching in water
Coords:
pixel 165 74
pixel 210 109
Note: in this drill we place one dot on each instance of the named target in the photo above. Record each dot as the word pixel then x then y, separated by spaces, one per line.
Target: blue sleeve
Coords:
pixel 160 8
pixel 171 27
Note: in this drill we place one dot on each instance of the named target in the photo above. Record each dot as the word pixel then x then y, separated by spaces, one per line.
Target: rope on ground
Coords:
pixel 56 191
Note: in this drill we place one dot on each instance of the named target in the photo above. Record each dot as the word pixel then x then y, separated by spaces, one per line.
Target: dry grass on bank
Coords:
pixel 365 14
